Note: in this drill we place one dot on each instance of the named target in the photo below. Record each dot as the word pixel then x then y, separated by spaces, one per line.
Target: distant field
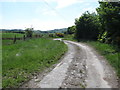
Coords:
pixel 11 35
pixel 24 59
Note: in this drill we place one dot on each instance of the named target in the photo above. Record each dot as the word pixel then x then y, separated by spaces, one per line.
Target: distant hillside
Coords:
pixel 12 30
pixel 57 30
pixel 35 31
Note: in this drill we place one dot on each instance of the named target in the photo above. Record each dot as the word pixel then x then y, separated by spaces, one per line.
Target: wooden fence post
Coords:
pixel 24 37
pixel 14 40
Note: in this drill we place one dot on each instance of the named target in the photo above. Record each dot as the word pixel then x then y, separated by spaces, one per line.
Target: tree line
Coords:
pixel 103 26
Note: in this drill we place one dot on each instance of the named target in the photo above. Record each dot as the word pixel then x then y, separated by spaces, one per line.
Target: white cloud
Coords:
pixel 69 2
pixel 20 0
pixel 1 18
pixel 38 25
pixel 38 10
pixel 45 10
pixel 65 3
pixel 90 9
pixel 52 13
pixel 49 25
pixel 48 11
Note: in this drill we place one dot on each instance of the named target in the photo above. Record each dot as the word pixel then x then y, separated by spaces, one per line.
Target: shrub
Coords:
pixel 60 34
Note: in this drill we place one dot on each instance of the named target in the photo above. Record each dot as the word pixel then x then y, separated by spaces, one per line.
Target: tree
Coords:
pixel 87 26
pixel 51 35
pixel 29 32
pixel 109 15
pixel 71 30
pixel 59 34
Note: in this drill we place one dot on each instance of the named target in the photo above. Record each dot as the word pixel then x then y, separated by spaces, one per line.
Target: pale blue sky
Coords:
pixel 42 14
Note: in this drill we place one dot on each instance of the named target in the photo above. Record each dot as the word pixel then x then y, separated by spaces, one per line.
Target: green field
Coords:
pixel 24 59
pixel 11 35
pixel 7 42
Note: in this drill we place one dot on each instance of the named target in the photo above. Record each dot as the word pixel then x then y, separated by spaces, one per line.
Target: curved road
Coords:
pixel 81 67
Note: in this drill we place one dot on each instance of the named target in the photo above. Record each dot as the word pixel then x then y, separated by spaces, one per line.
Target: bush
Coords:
pixel 51 35
pixel 60 34
pixel 29 32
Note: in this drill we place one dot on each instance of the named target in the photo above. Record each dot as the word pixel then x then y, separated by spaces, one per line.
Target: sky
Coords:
pixel 42 14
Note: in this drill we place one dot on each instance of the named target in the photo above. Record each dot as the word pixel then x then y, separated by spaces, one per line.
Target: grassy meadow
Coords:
pixel 11 35
pixel 24 59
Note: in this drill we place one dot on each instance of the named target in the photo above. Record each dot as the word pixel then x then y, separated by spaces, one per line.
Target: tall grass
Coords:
pixel 22 60
pixel 7 42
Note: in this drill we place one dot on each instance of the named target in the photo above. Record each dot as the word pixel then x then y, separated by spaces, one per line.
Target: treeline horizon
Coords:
pixel 61 30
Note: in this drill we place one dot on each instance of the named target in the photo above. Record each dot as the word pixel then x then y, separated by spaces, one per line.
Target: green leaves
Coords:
pixel 71 30
pixel 109 15
pixel 29 32
pixel 87 26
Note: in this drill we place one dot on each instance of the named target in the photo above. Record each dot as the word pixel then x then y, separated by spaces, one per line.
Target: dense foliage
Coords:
pixel 71 30
pixel 109 15
pixel 103 26
pixel 29 32
pixel 87 26
pixel 59 34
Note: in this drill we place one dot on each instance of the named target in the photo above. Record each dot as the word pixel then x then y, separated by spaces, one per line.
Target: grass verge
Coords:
pixel 69 37
pixel 109 52
pixel 22 60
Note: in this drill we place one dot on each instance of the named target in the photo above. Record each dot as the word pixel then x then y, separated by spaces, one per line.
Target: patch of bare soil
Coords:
pixel 76 74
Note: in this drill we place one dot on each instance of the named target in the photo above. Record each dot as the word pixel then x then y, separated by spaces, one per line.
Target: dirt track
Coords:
pixel 81 67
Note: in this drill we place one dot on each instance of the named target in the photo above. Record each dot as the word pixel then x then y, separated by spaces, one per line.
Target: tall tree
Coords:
pixel 87 26
pixel 71 30
pixel 29 32
pixel 109 15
